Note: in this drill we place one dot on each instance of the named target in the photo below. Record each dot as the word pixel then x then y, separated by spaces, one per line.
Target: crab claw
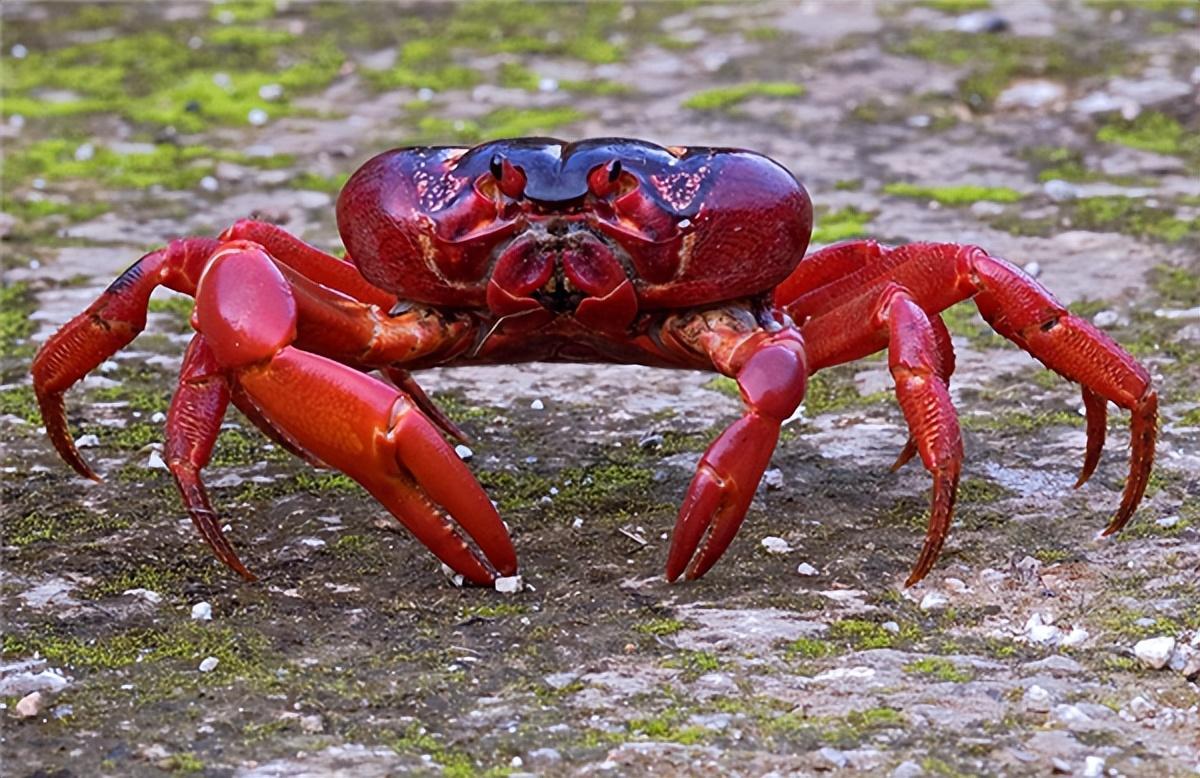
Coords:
pixel 772 384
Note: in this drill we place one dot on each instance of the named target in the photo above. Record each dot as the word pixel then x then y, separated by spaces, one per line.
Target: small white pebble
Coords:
pixel 1155 652
pixel 774 545
pixel 1036 699
pixel 270 91
pixel 956 585
pixel 84 152
pixel 209 664
pixel 16 121
pixel 464 452
pixel 537 405
pixel 222 80
pixel 87 441
pixel 159 417
pixel 155 461
pixel 18 51
pixel 578 523
pixel 146 594
pixel 548 85
pixel 1073 638
pixel 210 184
pixel 510 584
pixel 517 761
pixel 202 611
pixel 1105 319
pixel 1032 269
pixel 891 627
pixel 934 601
pixel 806 569
pixel 455 578
pixel 773 479
pixel 195 42
pixel 425 94
pixel 1093 766
pixel 30 705
pixel 257 117
pixel 1166 522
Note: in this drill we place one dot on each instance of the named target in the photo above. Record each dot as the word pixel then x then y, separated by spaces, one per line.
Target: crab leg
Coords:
pixel 771 375
pixel 943 368
pixel 914 360
pixel 107 325
pixel 193 423
pixel 836 289
pixel 347 419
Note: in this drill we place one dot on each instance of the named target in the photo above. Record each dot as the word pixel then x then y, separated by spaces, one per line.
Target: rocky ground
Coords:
pixel 1060 135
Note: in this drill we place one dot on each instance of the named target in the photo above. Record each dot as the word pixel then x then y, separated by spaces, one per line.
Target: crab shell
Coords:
pixel 684 226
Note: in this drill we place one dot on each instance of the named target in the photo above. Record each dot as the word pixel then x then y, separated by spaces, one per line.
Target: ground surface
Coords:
pixel 1067 139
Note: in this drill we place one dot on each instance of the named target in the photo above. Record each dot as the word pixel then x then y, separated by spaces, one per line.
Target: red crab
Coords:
pixel 607 250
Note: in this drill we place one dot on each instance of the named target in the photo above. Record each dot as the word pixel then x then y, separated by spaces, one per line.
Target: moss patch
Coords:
pixel 954 195
pixel 840 225
pixel 500 123
pixel 727 97
pixel 17 302
pixel 1153 131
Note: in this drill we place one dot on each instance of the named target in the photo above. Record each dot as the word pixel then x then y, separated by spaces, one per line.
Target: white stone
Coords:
pixel 152 597
pixel 510 584
pixel 1059 190
pixel 1155 652
pixel 774 545
pixel 270 91
pixel 1036 699
pixel 209 664
pixel 202 611
pixel 455 578
pixel 18 51
pixel 30 705
pixel 464 452
pixel 891 626
pixel 87 441
pixel 833 756
pixel 934 601
pixel 548 85
pixel 1033 93
pixel 1106 318
pixel 537 405
pixel 210 184
pixel 1039 629
pixel 807 570
pixel 1073 638
pixel 155 461
pixel 1093 766
pixel 257 117
pixel 84 152
pixel 1141 708
pixel 773 479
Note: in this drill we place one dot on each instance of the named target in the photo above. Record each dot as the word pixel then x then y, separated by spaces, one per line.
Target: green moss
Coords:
pixel 660 627
pixel 809 648
pixel 318 183
pixel 982 491
pixel 1131 216
pixel 417 741
pixel 694 663
pixel 861 634
pixel 497 610
pixel 501 123
pixel 165 165
pixel 239 653
pixel 182 763
pixel 725 385
pixel 1152 131
pixel 242 10
pixel 62 523
pixel 961 195
pixel 668 727
pixel 1020 421
pixel 150 77
pixel 725 98
pixel 235 447
pixel 132 437
pixel 939 669
pixel 34 210
pixel 833 390
pixel 956 6
pixel 992 62
pixel 20 401
pixel 841 225
pixel 1177 285
pixel 17 302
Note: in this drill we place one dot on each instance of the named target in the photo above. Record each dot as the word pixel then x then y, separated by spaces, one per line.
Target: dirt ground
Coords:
pixel 1062 136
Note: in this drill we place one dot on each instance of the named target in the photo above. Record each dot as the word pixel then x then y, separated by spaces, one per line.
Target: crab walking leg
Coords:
pixel 347 419
pixel 832 292
pixel 111 322
pixel 771 374
pixel 1021 310
pixel 943 368
pixel 193 423
pixel 914 359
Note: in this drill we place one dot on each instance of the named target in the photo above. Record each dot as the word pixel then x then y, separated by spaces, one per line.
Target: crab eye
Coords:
pixel 509 177
pixel 604 180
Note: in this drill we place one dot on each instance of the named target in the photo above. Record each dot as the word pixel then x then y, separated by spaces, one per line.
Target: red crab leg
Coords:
pixel 353 422
pixel 771 374
pixel 943 368
pixel 193 424
pixel 914 359
pixel 833 292
pixel 107 325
